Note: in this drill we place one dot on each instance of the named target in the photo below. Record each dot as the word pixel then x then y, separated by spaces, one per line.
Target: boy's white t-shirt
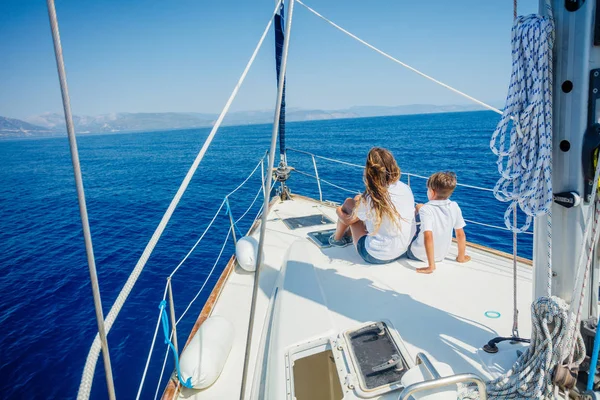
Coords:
pixel 392 239
pixel 440 217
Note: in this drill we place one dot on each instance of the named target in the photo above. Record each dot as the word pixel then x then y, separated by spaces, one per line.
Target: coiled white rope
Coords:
pixel 531 375
pixel 523 138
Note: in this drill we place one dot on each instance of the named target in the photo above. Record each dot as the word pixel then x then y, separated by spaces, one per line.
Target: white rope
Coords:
pixel 151 349
pixel 493 226
pixel 247 178
pixel 214 217
pixel 327 182
pixel 585 261
pixel 526 165
pixel 199 240
pixel 531 375
pixel 327 158
pixel 579 288
pixel 182 315
pixel 258 214
pixel 87 378
pixel 207 277
pixel 363 167
pixel 180 264
pixel 162 372
pixel 260 189
pixel 473 99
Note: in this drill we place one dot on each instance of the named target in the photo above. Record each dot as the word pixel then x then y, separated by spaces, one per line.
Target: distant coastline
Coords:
pixel 53 125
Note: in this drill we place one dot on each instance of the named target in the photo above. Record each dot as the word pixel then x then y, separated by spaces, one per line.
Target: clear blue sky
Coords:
pixel 186 55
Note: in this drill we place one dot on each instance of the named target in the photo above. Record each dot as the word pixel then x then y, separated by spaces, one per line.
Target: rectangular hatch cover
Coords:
pixel 377 356
pixel 306 221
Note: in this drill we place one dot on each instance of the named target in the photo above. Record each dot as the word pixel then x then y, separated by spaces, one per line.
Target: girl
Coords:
pixel 381 220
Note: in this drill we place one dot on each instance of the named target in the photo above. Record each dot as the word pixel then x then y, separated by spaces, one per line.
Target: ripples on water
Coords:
pixel 47 319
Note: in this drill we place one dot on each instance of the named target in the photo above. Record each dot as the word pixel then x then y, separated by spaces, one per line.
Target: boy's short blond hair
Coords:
pixel 443 183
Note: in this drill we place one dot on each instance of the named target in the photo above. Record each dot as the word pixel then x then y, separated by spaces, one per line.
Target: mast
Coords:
pixel 282 172
pixel 267 185
pixel 575 58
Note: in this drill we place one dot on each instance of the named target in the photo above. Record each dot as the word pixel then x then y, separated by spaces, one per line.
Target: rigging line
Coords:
pixel 494 226
pixel 247 178
pixel 260 189
pixel 162 372
pixel 327 182
pixel 207 277
pixel 92 358
pixel 258 214
pixel 101 339
pixel 199 240
pixel 473 99
pixel 151 349
pixel 212 221
pixel 457 184
pixel 362 167
pixel 326 158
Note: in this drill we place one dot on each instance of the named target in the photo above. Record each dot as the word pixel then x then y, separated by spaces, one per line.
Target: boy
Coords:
pixel 438 217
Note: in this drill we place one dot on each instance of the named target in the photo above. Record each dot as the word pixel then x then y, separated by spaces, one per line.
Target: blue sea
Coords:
pixel 47 319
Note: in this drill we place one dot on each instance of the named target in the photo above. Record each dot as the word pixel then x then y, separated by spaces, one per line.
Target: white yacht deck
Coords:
pixel 324 291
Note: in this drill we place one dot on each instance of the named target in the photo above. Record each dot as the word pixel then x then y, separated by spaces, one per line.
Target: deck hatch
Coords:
pixel 321 238
pixel 379 359
pixel 306 221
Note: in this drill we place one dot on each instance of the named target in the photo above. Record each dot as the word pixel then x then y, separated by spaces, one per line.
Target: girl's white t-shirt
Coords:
pixel 392 239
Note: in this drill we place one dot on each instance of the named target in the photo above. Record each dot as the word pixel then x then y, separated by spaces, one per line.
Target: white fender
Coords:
pixel 204 357
pixel 246 251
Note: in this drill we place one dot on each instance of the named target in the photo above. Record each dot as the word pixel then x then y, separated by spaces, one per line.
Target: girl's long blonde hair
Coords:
pixel 381 171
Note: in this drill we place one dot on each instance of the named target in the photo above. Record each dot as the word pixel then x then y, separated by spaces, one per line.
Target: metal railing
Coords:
pixel 168 291
pixel 409 175
pixel 438 381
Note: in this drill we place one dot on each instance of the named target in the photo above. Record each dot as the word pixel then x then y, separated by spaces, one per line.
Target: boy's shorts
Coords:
pixel 409 253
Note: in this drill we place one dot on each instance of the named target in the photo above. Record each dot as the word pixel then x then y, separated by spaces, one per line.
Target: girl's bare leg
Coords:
pixel 340 230
pixel 345 218
pixel 358 230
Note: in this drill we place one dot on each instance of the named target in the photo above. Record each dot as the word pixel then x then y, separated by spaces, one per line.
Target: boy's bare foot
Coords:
pixel 427 270
pixel 463 259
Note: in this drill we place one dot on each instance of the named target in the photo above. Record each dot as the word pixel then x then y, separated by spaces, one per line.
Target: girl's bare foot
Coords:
pixel 427 270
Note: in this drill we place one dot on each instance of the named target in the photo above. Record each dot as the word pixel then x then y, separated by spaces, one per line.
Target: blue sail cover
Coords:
pixel 279 29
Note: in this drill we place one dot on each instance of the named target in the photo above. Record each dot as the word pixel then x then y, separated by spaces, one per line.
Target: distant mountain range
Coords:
pixel 53 124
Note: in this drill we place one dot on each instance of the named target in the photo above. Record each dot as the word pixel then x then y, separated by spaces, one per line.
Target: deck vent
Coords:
pixel 307 221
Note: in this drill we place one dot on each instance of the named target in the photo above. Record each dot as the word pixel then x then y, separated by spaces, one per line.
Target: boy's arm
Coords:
pixel 428 238
pixel 428 241
pixel 426 229
pixel 461 239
